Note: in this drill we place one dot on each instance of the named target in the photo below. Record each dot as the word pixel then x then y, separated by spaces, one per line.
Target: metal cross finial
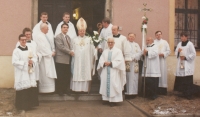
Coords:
pixel 145 9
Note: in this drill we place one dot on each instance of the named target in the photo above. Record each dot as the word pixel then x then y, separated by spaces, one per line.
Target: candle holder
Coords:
pixel 30 68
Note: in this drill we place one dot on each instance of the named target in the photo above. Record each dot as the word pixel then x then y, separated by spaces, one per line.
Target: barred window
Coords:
pixel 187 15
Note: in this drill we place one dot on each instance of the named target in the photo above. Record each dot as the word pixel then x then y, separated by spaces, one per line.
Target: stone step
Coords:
pixel 81 97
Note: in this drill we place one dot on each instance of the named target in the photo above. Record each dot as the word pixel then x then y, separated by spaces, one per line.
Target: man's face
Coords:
pixel 28 35
pixel 131 37
pixel 183 38
pixel 66 18
pixel 149 41
pixel 45 29
pixel 114 31
pixel 105 24
pixel 81 33
pixel 44 18
pixel 22 41
pixel 111 43
pixel 158 35
pixel 64 29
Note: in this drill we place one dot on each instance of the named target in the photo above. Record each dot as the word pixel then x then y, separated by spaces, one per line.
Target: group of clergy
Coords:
pixel 65 62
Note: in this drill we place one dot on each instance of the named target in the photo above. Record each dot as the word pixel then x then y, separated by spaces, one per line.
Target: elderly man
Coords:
pixel 152 72
pixel 163 51
pixel 112 72
pixel 83 62
pixel 121 43
pixel 62 58
pixel 37 31
pixel 46 53
pixel 71 31
pixel 186 54
pixel 132 76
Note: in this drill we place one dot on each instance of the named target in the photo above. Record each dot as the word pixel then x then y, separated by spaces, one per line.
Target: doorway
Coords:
pixel 93 11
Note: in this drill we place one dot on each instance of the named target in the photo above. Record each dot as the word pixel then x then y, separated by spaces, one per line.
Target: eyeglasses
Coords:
pixel 110 42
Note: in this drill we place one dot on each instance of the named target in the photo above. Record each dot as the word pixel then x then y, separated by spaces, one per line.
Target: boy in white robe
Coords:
pixel 23 59
pixel 186 54
pixel 37 31
pixel 164 51
pixel 32 44
pixel 71 31
pixel 83 62
pixel 152 69
pixel 111 68
pixel 45 52
pixel 132 76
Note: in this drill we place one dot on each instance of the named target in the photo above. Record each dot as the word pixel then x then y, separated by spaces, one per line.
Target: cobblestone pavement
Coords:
pixel 83 109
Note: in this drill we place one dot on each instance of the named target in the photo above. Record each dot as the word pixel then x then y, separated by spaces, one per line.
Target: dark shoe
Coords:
pixel 112 104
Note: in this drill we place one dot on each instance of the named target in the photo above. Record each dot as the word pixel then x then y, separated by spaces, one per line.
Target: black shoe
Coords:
pixel 112 104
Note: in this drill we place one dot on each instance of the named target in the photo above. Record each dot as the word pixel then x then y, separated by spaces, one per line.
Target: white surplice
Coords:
pixel 23 80
pixel 83 63
pixel 71 31
pixel 189 63
pixel 113 78
pixel 33 47
pixel 47 74
pixel 163 48
pixel 132 77
pixel 153 64
pixel 122 43
pixel 105 33
pixel 50 34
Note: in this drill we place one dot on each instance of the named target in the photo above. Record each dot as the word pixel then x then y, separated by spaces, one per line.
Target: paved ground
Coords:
pixel 83 109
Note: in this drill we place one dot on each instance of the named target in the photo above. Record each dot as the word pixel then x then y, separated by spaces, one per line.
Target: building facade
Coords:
pixel 169 16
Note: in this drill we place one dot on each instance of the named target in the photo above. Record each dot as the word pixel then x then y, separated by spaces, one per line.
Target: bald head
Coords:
pixel 115 29
pixel 44 28
pixel 111 42
pixel 149 40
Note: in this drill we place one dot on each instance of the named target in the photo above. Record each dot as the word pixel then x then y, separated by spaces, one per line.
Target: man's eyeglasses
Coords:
pixel 110 42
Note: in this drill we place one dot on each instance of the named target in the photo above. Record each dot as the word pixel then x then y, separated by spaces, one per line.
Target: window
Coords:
pixel 187 13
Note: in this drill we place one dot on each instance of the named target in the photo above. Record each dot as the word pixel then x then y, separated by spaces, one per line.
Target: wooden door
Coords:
pixel 55 10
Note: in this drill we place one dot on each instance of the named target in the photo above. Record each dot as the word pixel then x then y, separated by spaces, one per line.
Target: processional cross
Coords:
pixel 144 31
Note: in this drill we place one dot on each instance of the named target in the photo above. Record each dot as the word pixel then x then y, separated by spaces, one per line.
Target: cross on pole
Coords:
pixel 145 9
pixel 144 31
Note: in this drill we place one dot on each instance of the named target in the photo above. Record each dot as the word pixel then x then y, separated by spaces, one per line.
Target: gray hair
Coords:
pixel 43 25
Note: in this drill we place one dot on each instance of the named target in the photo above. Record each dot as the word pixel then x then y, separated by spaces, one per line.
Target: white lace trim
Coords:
pixel 25 84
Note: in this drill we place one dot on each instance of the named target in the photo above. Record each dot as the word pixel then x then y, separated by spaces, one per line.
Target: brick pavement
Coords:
pixel 82 109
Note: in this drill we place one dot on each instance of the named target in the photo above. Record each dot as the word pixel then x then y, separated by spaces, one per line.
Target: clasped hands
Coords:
pixel 107 63
pixel 181 57
pixel 30 63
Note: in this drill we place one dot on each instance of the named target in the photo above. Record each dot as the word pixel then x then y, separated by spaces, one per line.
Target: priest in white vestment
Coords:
pixel 24 59
pixel 112 72
pixel 37 31
pixel 186 54
pixel 47 74
pixel 32 44
pixel 71 31
pixel 164 52
pixel 121 43
pixel 105 33
pixel 83 62
pixel 133 75
pixel 152 69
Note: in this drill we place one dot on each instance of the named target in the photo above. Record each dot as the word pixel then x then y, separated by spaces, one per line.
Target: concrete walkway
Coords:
pixel 82 109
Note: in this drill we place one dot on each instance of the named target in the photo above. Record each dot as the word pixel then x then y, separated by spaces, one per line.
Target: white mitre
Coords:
pixel 81 24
